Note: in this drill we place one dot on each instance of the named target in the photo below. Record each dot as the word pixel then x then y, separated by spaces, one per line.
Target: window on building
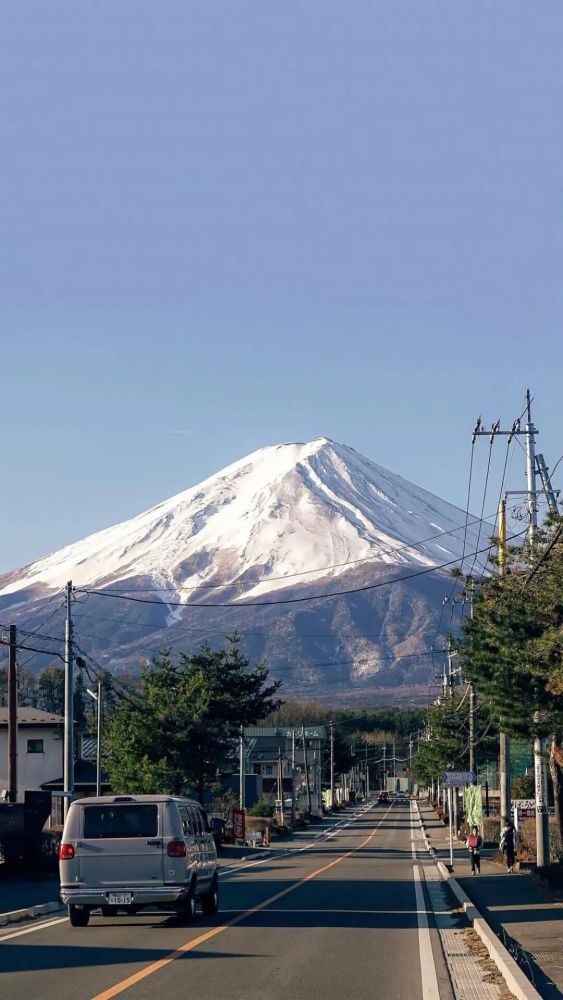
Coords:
pixel 269 769
pixel 35 746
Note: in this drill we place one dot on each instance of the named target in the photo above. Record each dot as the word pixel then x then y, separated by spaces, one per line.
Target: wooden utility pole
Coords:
pixel 12 717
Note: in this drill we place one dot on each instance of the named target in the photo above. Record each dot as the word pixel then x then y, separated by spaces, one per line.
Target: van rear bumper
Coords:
pixel 158 895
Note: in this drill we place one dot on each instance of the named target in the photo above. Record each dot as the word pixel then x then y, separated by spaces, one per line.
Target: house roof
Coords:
pixel 32 717
pixel 84 774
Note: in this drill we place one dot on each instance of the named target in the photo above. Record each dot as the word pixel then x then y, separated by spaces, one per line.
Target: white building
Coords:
pixel 40 748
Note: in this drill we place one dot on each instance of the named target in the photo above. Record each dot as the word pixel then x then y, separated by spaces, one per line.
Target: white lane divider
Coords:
pixel 338 828
pixel 429 978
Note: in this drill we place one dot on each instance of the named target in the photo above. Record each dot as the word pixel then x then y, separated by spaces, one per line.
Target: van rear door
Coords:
pixel 121 844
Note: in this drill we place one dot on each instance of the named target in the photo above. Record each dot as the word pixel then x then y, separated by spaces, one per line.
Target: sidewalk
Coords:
pixel 519 908
pixel 18 892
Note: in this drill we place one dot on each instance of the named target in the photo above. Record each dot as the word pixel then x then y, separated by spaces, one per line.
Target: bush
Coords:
pixel 523 788
pixel 263 807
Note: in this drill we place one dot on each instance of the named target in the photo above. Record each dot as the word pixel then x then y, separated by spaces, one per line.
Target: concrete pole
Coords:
pixel 472 764
pixel 531 472
pixel 241 797
pixel 542 818
pixel 331 765
pixel 12 717
pixel 68 773
pixel 99 743
pixel 450 818
pixel 306 765
pixel 504 739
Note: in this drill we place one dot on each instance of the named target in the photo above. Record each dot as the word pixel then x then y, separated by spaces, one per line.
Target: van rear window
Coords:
pixel 120 821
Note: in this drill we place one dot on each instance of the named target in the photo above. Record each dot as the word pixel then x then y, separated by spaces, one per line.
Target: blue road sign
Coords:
pixel 458 779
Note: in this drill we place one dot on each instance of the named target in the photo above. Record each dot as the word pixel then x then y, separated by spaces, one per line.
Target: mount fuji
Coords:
pixel 259 548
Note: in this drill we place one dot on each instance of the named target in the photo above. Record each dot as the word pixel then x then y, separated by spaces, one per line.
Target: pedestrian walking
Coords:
pixel 473 844
pixel 508 844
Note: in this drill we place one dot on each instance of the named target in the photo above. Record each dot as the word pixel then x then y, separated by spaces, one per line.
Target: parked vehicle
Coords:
pixel 127 852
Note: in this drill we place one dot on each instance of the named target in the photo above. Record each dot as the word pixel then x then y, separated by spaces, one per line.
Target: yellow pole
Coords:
pixel 502 537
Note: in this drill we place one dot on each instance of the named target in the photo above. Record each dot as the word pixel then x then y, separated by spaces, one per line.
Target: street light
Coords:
pixel 98 699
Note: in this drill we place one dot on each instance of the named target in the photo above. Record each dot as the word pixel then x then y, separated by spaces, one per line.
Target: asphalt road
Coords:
pixel 339 919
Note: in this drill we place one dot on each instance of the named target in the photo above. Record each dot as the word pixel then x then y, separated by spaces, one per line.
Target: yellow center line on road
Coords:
pixel 149 970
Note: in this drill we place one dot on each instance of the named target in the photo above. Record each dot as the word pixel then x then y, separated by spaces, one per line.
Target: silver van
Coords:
pixel 122 853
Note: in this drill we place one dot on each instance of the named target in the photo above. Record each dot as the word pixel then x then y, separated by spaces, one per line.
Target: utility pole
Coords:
pixel 504 739
pixel 12 717
pixel 472 765
pixel 241 797
pixel 280 784
pixel 530 433
pixel 550 493
pixel 68 776
pixel 542 818
pixel 540 769
pixel 384 782
pixel 306 766
pixel 99 743
pixel 331 765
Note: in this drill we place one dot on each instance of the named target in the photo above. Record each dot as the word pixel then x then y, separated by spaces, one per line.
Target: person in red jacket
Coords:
pixel 473 844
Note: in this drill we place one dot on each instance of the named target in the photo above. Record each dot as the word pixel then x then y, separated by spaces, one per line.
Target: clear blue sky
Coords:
pixel 229 224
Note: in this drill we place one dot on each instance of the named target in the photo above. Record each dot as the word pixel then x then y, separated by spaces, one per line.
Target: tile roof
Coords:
pixel 32 717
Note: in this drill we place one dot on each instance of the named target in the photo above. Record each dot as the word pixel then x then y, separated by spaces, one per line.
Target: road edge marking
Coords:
pixel 430 989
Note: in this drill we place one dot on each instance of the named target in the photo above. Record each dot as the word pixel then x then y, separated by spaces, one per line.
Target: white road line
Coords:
pixel 430 989
pixel 36 927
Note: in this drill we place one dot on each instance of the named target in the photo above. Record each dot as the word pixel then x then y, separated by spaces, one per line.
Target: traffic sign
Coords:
pixel 458 779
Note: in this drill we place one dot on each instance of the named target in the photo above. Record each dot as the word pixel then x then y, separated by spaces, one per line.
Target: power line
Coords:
pixel 389 549
pixel 290 600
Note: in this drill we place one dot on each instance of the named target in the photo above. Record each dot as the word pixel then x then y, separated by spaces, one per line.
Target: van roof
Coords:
pixel 93 800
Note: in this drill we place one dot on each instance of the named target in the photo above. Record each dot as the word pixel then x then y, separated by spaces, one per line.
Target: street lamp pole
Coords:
pixel 98 699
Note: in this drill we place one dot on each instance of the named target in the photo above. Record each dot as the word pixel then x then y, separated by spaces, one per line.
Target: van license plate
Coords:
pixel 120 898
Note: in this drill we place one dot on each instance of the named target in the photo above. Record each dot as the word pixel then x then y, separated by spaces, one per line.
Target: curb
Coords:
pixel 30 912
pixel 517 982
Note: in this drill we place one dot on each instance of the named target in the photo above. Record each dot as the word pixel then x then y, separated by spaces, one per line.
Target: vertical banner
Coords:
pixel 239 824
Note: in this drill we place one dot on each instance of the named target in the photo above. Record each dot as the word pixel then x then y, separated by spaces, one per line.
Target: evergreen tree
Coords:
pixel 512 647
pixel 185 720
pixel 50 690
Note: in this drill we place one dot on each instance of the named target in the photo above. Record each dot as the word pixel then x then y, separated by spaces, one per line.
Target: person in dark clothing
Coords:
pixel 508 844
pixel 473 844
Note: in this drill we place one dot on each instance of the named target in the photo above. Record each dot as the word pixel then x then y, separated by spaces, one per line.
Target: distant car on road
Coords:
pixel 383 799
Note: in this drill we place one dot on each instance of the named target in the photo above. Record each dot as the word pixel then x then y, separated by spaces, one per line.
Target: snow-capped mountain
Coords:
pixel 294 518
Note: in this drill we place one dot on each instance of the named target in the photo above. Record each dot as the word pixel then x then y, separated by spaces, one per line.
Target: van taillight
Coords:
pixel 176 849
pixel 66 852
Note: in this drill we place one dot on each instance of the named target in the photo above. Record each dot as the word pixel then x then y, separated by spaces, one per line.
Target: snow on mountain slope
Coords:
pixel 284 515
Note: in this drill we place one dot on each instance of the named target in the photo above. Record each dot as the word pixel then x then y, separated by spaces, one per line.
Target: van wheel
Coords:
pixel 186 912
pixel 78 916
pixel 210 901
